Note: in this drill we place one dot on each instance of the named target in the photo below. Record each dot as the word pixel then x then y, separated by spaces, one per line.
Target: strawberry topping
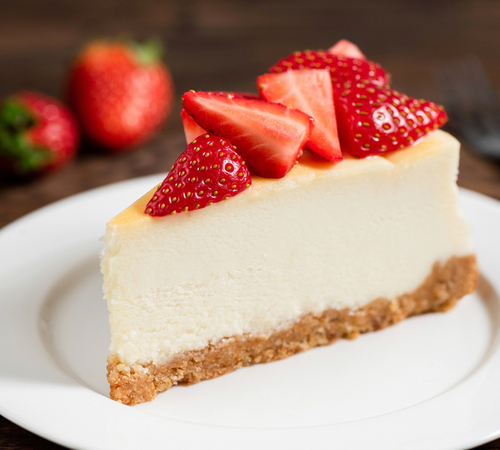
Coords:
pixel 309 91
pixel 269 136
pixel 207 172
pixel 193 130
pixel 375 120
pixel 342 69
pixel 371 117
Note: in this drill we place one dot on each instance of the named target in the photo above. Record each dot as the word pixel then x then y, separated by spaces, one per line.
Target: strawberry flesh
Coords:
pixel 309 91
pixel 207 172
pixel 192 129
pixel 346 48
pixel 270 137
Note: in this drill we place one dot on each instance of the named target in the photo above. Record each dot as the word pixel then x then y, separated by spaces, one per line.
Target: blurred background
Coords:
pixel 225 45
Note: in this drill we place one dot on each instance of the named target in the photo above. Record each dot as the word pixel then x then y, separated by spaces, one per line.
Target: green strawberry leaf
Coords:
pixel 15 146
pixel 15 116
pixel 149 52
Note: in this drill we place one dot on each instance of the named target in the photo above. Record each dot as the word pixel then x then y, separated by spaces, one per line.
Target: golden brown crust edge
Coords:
pixel 446 284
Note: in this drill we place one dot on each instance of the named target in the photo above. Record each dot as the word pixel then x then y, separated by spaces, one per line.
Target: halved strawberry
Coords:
pixel 342 69
pixel 309 91
pixel 346 48
pixel 269 136
pixel 375 120
pixel 247 95
pixel 207 172
pixel 192 129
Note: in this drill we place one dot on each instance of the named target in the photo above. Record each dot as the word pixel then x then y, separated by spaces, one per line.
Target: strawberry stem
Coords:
pixel 15 117
pixel 149 52
pixel 15 147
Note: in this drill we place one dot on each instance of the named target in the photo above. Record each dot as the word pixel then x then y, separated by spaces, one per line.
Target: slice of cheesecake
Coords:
pixel 327 252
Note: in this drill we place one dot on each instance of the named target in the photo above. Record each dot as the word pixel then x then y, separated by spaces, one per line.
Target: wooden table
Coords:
pixel 224 45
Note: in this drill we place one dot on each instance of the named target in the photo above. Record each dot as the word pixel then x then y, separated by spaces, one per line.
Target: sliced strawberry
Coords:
pixel 269 136
pixel 309 91
pixel 346 48
pixel 247 95
pixel 192 129
pixel 342 69
pixel 375 120
pixel 207 172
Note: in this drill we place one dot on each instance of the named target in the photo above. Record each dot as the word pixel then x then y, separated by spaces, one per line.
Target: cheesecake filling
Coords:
pixel 325 237
pixel 445 285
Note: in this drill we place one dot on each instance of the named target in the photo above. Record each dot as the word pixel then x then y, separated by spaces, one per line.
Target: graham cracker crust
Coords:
pixel 446 284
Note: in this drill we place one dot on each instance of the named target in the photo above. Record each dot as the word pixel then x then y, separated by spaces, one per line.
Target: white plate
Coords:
pixel 431 382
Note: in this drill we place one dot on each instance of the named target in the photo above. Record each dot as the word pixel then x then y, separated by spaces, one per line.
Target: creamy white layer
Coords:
pixel 325 236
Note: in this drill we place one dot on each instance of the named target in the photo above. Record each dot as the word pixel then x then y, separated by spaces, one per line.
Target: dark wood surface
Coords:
pixel 224 45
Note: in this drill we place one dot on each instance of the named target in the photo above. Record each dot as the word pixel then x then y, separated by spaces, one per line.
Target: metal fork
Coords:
pixel 472 104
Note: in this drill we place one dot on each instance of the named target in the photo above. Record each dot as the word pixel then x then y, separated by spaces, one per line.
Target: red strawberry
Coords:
pixel 375 120
pixel 121 92
pixel 248 95
pixel 192 129
pixel 342 69
pixel 268 136
pixel 38 134
pixel 309 91
pixel 346 48
pixel 207 172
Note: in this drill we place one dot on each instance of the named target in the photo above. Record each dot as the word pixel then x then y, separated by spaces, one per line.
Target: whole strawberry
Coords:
pixel 121 92
pixel 38 134
pixel 207 172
